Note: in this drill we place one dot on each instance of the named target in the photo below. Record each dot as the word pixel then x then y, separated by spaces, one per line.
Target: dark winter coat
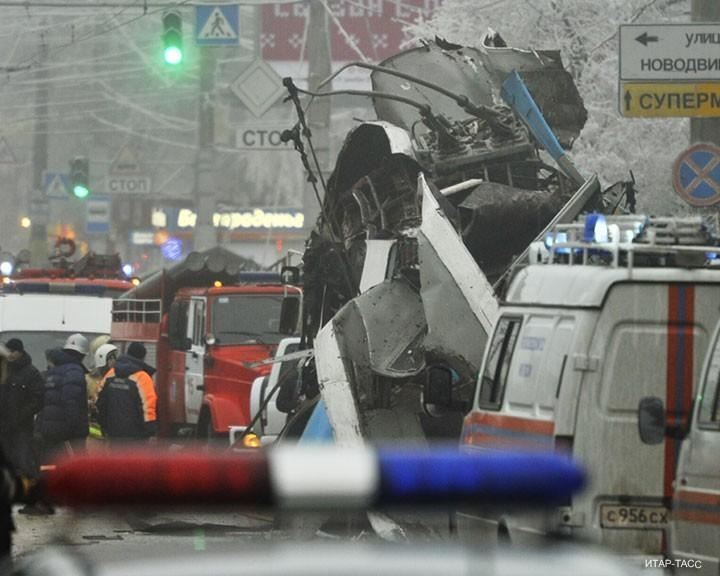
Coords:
pixel 126 408
pixel 21 396
pixel 64 415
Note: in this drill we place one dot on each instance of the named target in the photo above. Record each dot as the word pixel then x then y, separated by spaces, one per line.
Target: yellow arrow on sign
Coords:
pixel 652 100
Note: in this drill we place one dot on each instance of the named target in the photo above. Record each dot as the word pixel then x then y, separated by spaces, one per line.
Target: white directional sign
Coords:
pixel 261 137
pixel 676 52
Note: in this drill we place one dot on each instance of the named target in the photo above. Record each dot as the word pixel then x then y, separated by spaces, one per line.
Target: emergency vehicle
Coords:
pixel 268 420
pixel 609 312
pixel 695 535
pixel 206 328
pixel 43 306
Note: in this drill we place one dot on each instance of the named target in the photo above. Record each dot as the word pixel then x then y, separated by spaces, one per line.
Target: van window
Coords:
pixel 178 322
pixel 494 375
pixel 709 416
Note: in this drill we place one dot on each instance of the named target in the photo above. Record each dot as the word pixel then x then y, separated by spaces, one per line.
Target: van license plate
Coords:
pixel 650 517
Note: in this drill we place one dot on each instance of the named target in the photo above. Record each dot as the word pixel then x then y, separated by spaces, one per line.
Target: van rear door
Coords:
pixel 650 340
pixel 696 508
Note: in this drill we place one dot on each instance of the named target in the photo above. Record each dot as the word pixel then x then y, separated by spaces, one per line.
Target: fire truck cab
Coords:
pixel 207 344
pixel 612 316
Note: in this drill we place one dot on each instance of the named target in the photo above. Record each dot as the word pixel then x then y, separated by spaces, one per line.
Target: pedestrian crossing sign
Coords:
pixel 217 25
pixel 56 184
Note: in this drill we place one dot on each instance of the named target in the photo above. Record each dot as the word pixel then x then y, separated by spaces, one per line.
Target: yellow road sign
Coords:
pixel 650 99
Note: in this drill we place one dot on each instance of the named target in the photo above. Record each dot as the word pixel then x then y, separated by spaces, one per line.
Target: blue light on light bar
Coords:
pixel 596 228
pixel 408 477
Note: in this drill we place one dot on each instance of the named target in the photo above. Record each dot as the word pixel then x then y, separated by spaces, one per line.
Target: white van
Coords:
pixel 695 535
pixel 611 312
pixel 43 320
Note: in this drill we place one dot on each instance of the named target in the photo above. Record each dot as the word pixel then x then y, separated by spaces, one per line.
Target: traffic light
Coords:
pixel 79 177
pixel 172 38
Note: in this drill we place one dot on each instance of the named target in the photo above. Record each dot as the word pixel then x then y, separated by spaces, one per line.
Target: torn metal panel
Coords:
pixel 457 71
pixel 379 337
pixel 551 86
pixel 335 388
pixel 438 234
pixel 478 74
pixel 377 262
pixel 524 213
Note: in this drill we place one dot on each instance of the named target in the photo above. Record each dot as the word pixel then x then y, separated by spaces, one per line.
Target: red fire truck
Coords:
pixel 206 327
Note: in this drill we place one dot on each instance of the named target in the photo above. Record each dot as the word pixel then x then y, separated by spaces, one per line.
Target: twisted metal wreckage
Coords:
pixel 422 218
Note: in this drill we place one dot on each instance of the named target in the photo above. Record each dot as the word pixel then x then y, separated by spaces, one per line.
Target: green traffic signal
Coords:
pixel 80 177
pixel 173 55
pixel 80 191
pixel 172 38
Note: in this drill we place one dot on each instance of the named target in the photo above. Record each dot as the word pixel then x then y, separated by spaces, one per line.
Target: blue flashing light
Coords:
pixel 6 268
pixel 172 249
pixel 127 270
pixel 549 240
pixel 711 255
pixel 596 228
pixel 411 477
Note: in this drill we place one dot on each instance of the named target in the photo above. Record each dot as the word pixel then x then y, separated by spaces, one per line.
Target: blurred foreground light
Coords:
pixel 217 284
pixel 25 222
pixel 315 477
pixel 135 281
pixel 6 280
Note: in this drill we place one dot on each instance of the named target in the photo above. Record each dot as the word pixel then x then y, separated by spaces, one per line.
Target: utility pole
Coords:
pixel 319 68
pixel 205 234
pixel 39 208
pixel 705 129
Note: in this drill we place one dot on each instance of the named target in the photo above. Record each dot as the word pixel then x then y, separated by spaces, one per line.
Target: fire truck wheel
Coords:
pixel 206 434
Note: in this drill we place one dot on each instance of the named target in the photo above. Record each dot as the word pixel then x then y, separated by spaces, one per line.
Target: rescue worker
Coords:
pixel 104 361
pixel 127 403
pixel 63 420
pixel 95 377
pixel 21 396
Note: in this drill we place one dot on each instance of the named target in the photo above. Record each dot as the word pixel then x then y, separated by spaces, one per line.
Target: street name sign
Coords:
pixel 674 52
pixel 696 175
pixel 667 100
pixel 217 25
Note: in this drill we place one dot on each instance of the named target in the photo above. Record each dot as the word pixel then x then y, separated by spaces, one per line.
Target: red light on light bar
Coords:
pixel 150 478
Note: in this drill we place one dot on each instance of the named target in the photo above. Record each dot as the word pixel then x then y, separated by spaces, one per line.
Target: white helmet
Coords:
pixel 102 353
pixel 76 342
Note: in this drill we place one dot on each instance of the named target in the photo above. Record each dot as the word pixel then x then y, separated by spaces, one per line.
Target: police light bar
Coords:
pixel 314 478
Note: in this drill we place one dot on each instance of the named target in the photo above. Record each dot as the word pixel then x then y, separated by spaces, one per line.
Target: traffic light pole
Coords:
pixel 705 129
pixel 205 235
pixel 39 208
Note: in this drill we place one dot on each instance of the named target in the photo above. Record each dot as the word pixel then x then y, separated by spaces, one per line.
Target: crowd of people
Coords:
pixel 47 414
